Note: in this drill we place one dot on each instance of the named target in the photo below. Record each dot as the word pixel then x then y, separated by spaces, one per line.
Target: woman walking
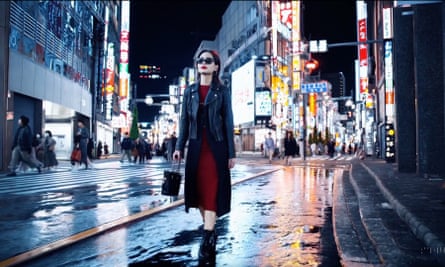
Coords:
pixel 206 122
pixel 83 137
pixel 290 147
pixel 49 145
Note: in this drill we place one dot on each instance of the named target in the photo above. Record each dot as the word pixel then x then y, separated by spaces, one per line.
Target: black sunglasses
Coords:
pixel 207 60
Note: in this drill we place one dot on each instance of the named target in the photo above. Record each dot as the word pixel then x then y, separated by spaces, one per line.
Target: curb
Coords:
pixel 417 227
pixel 348 244
pixel 387 249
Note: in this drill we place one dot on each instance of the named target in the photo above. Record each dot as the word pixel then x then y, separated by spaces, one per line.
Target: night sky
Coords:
pixel 167 33
pixel 334 21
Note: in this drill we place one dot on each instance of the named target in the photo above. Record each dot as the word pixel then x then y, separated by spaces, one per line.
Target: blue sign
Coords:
pixel 319 87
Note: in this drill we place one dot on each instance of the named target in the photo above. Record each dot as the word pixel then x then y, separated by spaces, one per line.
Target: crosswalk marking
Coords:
pixel 104 175
pixel 263 160
pixel 62 180
pixel 109 173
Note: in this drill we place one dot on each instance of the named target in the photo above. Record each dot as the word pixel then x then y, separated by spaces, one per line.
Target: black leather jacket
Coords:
pixel 220 116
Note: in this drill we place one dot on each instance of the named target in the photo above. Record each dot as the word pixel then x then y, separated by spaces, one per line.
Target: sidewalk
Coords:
pixel 418 201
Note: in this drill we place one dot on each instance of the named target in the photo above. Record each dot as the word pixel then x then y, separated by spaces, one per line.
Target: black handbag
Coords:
pixel 172 181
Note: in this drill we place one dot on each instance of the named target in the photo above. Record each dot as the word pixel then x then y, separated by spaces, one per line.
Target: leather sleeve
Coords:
pixel 228 117
pixel 184 122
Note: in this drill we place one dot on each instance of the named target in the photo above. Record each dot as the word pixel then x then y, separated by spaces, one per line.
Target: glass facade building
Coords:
pixel 53 57
pixel 57 35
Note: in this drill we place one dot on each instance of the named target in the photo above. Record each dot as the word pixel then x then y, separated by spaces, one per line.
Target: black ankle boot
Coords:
pixel 207 250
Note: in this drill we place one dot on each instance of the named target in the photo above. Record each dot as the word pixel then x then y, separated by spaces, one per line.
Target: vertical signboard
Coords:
pixel 313 104
pixel 362 47
pixel 387 23
pixel 389 85
pixel 390 146
pixel 389 82
pixel 109 81
pixel 124 75
pixel 105 47
pixel 297 48
pixel 275 9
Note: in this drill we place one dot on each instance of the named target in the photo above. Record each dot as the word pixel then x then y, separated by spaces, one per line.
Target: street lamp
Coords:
pixel 349 103
pixel 149 100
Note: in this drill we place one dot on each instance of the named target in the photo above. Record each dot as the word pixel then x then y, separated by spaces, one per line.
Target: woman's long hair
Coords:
pixel 215 76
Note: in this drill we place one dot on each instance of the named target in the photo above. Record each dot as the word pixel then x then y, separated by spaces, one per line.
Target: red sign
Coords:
pixel 286 14
pixel 363 48
pixel 125 35
pixel 363 56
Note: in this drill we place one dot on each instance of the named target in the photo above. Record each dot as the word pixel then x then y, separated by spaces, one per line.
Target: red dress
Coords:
pixel 207 175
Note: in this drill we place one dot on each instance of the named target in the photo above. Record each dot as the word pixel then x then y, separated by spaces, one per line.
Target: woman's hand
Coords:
pixel 177 155
pixel 231 163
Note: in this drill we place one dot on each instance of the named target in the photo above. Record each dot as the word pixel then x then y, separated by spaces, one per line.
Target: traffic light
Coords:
pixel 311 65
pixel 390 143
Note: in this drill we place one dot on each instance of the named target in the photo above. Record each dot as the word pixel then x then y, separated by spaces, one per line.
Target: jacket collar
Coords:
pixel 211 95
pixel 195 87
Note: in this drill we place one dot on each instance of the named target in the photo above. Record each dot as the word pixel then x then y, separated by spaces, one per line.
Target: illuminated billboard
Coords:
pixel 243 94
pixel 363 47
pixel 263 102
pixel 109 81
pixel 124 75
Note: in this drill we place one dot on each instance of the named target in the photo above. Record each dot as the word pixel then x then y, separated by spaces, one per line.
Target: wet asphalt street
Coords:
pixel 283 217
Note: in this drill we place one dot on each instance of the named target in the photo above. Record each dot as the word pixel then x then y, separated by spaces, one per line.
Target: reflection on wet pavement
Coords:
pixel 36 210
pixel 281 219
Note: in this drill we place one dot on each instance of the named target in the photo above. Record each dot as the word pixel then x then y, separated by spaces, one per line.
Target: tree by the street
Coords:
pixel 134 130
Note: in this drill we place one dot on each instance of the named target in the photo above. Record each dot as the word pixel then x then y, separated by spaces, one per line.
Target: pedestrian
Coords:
pixel 171 146
pixel 37 145
pixel 343 148
pixel 313 149
pixel 270 146
pixel 106 151
pixel 290 147
pixel 206 123
pixel 140 149
pixel 126 146
pixel 331 148
pixel 99 149
pixel 49 146
pixel 158 151
pixel 83 137
pixel 164 151
pixel 22 148
pixel 148 149
pixel 75 163
pixel 36 153
pixel 90 148
pixel 350 148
